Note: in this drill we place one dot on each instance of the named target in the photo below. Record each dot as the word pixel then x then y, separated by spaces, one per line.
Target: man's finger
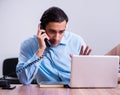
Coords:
pixel 71 55
pixel 38 32
pixel 86 49
pixel 81 51
pixel 89 51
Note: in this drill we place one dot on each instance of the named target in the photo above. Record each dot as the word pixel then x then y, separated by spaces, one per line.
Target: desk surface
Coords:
pixel 35 90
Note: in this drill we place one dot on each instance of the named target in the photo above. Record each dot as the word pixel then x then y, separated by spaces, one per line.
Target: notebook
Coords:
pixel 94 71
pixel 53 84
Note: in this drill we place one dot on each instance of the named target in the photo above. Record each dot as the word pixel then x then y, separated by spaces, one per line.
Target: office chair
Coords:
pixel 9 70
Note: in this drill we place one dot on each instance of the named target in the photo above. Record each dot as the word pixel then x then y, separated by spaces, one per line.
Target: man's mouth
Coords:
pixel 54 43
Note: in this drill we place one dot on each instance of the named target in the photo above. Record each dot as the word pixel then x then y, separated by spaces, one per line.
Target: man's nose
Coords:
pixel 56 36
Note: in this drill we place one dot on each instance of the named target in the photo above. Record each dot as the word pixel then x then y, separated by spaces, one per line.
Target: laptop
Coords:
pixel 94 71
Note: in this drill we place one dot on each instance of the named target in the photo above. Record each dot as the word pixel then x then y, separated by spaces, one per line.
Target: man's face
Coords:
pixel 55 31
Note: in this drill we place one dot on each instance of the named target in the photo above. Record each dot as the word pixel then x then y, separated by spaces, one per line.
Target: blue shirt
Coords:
pixel 55 64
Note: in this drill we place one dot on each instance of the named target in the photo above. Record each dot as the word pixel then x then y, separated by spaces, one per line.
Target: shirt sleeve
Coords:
pixel 28 63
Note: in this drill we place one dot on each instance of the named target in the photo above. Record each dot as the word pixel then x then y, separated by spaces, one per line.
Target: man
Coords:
pixel 47 56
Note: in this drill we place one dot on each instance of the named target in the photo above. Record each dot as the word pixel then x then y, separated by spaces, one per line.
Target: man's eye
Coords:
pixel 61 32
pixel 52 32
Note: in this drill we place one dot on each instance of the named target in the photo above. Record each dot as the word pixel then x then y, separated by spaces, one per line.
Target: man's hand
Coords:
pixel 87 51
pixel 41 35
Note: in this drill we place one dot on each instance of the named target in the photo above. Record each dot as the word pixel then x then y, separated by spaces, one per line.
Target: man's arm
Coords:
pixel 28 64
pixel 31 63
pixel 114 51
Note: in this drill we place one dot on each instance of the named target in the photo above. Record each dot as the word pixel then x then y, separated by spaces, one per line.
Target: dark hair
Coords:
pixel 53 14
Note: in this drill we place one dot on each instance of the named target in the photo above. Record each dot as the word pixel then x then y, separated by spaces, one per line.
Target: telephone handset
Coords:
pixel 46 40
